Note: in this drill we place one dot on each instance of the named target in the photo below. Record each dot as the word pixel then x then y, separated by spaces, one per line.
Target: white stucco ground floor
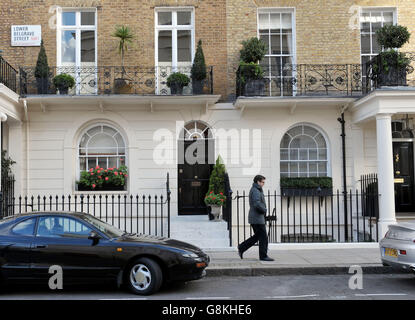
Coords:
pixel 54 138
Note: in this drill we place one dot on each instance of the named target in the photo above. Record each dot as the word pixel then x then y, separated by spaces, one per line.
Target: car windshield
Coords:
pixel 105 228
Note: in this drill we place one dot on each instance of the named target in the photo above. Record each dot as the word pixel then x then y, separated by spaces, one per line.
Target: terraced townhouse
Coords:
pixel 318 113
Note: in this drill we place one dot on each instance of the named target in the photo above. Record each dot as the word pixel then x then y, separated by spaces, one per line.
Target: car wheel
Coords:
pixel 144 277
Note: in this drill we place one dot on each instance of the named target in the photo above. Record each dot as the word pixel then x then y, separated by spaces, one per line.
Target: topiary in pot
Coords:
pixel 250 80
pixel 390 68
pixel 63 82
pixel 42 71
pixel 177 81
pixel 198 71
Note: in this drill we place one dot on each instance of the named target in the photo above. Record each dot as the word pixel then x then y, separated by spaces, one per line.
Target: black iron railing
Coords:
pixel 7 194
pixel 8 75
pixel 369 186
pixel 300 80
pixel 146 214
pixel 309 218
pixel 103 80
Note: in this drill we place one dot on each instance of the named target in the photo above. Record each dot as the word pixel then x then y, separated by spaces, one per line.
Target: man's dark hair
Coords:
pixel 258 178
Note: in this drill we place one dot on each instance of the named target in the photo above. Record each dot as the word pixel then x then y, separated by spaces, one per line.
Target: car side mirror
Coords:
pixel 94 236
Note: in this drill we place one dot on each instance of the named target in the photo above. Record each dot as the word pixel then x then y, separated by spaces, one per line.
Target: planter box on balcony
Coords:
pixel 254 87
pixel 392 78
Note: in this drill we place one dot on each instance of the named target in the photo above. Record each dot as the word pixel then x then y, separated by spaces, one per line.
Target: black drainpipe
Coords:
pixel 343 135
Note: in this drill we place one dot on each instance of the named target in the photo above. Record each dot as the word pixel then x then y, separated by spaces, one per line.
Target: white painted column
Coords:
pixel 385 173
pixel 3 118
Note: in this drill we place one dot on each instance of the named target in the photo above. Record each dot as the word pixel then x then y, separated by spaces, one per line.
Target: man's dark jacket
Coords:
pixel 257 205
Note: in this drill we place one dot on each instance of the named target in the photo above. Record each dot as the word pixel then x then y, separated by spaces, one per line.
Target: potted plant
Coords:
pixel 42 71
pixel 100 179
pixel 125 37
pixel 250 76
pixel 215 197
pixel 63 82
pixel 176 81
pixel 390 67
pixel 312 186
pixel 198 71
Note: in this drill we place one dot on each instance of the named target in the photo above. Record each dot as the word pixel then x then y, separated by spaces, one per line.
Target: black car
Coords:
pixel 88 249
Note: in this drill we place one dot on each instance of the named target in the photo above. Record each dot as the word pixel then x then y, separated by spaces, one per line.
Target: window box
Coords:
pixel 313 186
pixel 81 187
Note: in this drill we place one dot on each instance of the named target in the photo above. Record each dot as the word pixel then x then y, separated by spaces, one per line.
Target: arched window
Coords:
pixel 101 145
pixel 196 130
pixel 303 153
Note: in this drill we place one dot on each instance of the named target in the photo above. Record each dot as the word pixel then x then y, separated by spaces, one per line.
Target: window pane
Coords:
pixel 322 154
pixel 275 23
pixel 184 18
pixel 303 167
pixel 68 18
pixel 287 44
pixel 284 167
pixel 321 142
pixel 310 131
pixel 376 19
pixel 387 18
pixel 164 18
pixel 293 154
pixel 88 18
pixel 56 227
pixel 265 39
pixel 285 141
pixel 313 154
pixel 365 43
pixel 68 46
pixel 286 25
pixel 322 167
pixel 303 142
pixel 82 164
pixel 102 144
pixel 108 130
pixel 102 162
pixel 184 45
pixel 275 44
pixel 263 21
pixel 165 46
pixel 25 228
pixel 87 46
pixel 112 162
pixel 376 48
pixel 312 166
pixel 365 22
pixel 293 169
pixel 284 154
pixel 304 154
pixel 92 162
pixel 119 140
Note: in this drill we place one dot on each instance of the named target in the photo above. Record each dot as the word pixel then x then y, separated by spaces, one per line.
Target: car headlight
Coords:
pixel 190 255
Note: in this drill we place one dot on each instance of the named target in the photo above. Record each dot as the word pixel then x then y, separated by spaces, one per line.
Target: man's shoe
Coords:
pixel 267 259
pixel 240 252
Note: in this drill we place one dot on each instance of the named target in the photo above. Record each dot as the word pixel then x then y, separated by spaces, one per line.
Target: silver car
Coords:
pixel 397 248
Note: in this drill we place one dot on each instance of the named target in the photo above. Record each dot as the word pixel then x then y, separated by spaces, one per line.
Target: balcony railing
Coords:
pixel 8 75
pixel 301 80
pixel 106 80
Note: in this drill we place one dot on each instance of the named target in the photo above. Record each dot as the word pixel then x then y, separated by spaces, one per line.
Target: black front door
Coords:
pixel 193 176
pixel 403 165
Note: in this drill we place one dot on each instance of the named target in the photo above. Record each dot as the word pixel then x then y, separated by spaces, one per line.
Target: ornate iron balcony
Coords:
pixel 300 80
pixel 106 80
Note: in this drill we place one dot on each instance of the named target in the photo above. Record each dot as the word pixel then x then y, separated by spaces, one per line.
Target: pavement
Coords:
pixel 294 261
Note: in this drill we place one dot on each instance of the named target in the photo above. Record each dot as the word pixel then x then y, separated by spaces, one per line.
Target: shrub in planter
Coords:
pixel 198 71
pixel 215 197
pixel 317 186
pixel 42 71
pixel 177 81
pixel 63 82
pixel 250 76
pixel 390 68
pixel 103 179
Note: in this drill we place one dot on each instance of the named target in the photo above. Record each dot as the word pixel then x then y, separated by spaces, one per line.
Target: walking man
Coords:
pixel 256 218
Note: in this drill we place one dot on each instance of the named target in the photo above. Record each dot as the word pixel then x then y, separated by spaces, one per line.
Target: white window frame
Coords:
pixel 78 28
pixel 84 131
pixel 370 10
pixel 328 152
pixel 291 10
pixel 174 28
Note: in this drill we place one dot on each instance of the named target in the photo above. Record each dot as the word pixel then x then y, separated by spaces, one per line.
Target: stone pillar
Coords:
pixel 385 173
pixel 3 118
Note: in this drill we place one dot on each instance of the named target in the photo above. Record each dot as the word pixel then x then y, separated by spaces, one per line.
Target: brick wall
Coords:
pixel 323 34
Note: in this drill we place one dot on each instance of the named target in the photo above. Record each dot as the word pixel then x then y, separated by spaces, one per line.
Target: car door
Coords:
pixel 63 241
pixel 15 254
